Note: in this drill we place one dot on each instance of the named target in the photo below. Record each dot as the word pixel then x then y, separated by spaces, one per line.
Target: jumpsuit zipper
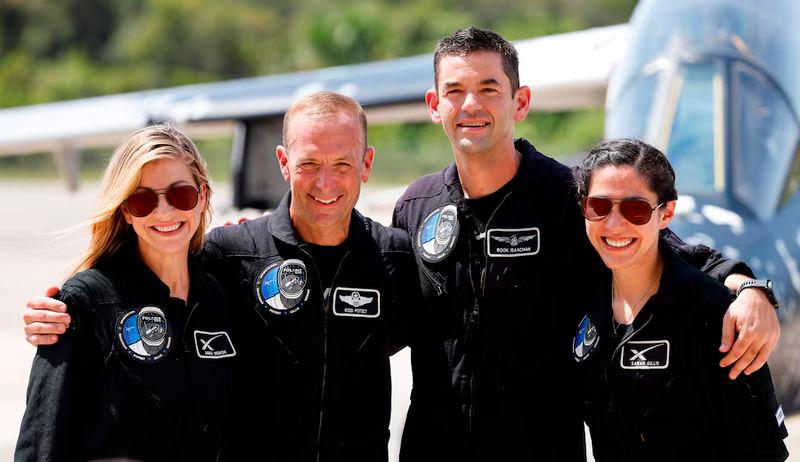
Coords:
pixel 326 306
pixel 476 307
pixel 611 360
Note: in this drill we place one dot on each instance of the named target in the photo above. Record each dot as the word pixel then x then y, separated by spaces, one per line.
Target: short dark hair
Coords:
pixel 472 39
pixel 645 159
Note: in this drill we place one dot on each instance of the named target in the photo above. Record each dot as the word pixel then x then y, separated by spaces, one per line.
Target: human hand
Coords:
pixel 754 318
pixel 45 319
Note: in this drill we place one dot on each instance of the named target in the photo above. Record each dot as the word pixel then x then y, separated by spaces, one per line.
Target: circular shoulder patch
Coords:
pixel 281 286
pixel 144 334
pixel 438 234
pixel 586 339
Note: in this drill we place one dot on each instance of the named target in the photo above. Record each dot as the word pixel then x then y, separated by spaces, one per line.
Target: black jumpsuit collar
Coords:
pixel 280 225
pixel 530 170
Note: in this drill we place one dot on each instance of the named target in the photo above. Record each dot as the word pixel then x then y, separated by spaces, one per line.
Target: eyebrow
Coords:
pixel 483 82
pixel 174 183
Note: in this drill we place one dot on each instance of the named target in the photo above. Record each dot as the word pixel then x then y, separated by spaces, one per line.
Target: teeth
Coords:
pixel 618 242
pixel 166 229
pixel 474 125
pixel 326 202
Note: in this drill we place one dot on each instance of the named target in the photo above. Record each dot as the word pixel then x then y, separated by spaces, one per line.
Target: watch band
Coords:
pixel 765 285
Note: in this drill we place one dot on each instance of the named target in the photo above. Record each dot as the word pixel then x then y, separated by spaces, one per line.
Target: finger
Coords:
pixel 33 315
pixel 728 330
pixel 52 291
pixel 743 362
pixel 242 220
pixel 37 340
pixel 228 223
pixel 740 346
pixel 759 362
pixel 44 328
pixel 46 303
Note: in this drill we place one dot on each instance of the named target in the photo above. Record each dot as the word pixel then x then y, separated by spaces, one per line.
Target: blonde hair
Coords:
pixel 320 106
pixel 109 230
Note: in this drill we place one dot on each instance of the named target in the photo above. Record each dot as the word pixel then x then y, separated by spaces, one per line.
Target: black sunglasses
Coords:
pixel 142 203
pixel 636 211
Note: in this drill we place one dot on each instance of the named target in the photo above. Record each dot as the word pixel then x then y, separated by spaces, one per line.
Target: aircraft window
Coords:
pixel 765 136
pixel 694 137
pixel 628 118
pixel 793 185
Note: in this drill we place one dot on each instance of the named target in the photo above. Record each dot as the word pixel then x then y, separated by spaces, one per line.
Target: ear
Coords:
pixel 666 214
pixel 523 98
pixel 432 101
pixel 125 214
pixel 201 200
pixel 366 166
pixel 283 161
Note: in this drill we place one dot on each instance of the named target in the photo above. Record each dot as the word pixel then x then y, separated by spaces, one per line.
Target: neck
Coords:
pixel 329 235
pixel 484 174
pixel 172 269
pixel 632 287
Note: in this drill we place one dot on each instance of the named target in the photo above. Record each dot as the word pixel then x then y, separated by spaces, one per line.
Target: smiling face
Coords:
pixel 475 104
pixel 325 163
pixel 621 244
pixel 166 230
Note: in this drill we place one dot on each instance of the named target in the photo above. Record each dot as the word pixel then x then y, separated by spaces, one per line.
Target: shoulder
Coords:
pixel 429 186
pixel 90 286
pixel 389 239
pixel 238 239
pixel 707 296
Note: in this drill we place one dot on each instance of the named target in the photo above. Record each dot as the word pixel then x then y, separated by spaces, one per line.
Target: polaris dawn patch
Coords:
pixel 144 334
pixel 213 345
pixel 645 354
pixel 586 339
pixel 438 234
pixel 360 303
pixel 512 242
pixel 281 287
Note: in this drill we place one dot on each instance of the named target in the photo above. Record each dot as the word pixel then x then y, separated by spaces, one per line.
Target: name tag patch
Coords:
pixel 645 354
pixel 512 242
pixel 359 303
pixel 213 345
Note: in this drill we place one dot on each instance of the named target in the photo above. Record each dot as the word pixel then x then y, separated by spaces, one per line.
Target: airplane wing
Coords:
pixel 566 71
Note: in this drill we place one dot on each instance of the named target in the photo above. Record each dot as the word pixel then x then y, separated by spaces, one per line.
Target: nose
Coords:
pixel 615 218
pixel 471 102
pixel 324 180
pixel 163 207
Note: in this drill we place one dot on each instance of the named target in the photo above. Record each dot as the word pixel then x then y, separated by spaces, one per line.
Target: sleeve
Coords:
pixel 53 404
pixel 752 418
pixel 706 259
pixel 409 307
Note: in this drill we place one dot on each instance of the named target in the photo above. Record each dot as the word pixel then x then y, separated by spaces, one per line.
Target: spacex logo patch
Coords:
pixel 213 345
pixel 360 303
pixel 645 354
pixel 512 242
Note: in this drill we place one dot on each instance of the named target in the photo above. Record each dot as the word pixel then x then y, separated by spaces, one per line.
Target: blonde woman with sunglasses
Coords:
pixel 143 371
pixel 647 348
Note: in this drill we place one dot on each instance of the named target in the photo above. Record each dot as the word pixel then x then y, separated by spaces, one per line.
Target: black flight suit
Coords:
pixel 654 391
pixel 494 380
pixel 92 397
pixel 315 382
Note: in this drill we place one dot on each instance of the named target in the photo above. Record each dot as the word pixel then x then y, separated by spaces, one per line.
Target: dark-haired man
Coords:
pixel 502 260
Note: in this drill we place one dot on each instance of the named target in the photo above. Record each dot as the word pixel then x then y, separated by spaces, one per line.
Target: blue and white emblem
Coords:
pixel 144 334
pixel 586 339
pixel 438 234
pixel 281 287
